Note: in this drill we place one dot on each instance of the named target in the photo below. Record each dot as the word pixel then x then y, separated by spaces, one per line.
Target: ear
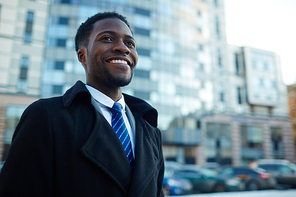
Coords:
pixel 82 56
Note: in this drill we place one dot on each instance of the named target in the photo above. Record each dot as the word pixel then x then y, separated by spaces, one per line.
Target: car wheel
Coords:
pixel 219 188
pixel 166 190
pixel 253 185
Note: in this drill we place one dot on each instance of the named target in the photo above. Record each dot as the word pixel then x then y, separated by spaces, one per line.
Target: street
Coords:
pixel 261 193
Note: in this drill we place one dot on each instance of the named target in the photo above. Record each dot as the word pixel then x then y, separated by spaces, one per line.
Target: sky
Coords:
pixel 265 24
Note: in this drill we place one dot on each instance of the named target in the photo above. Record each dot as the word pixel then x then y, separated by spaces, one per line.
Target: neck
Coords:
pixel 113 93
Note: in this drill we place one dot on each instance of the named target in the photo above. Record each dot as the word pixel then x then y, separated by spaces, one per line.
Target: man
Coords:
pixel 69 145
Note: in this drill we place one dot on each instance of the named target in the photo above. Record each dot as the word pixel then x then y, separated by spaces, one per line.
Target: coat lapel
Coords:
pixel 146 158
pixel 105 150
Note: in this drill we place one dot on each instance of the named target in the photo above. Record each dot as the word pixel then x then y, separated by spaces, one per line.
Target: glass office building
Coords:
pixel 172 42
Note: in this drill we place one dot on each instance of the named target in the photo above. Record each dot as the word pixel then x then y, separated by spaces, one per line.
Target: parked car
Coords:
pixel 175 185
pixel 254 179
pixel 283 170
pixel 212 165
pixel 207 180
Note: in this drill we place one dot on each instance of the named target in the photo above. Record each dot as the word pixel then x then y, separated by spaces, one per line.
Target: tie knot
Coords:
pixel 116 107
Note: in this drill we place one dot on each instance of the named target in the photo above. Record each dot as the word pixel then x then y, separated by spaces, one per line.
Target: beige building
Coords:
pixel 250 120
pixel 292 110
pixel 22 40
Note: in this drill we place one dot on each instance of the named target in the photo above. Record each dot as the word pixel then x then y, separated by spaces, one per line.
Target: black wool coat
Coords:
pixel 63 147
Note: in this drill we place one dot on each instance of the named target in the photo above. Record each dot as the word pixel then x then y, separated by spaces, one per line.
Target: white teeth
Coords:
pixel 118 61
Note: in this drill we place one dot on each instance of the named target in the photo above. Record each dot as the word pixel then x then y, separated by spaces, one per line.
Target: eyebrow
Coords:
pixel 113 33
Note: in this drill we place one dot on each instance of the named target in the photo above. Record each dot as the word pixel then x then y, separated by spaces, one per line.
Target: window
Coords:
pixel 22 82
pixel 142 11
pixel 216 3
pixel 198 124
pixel 57 89
pixel 142 31
pixel 201 67
pixel 61 42
pixel 239 96
pixel 236 64
pixel 285 169
pixel 29 27
pixel 221 96
pixel 63 20
pixel 13 114
pixel 217 23
pixel 221 93
pixel 276 142
pixel 201 47
pixel 65 1
pixel 218 143
pixel 252 143
pixel 142 73
pixel 142 95
pixel 144 52
pixel 219 57
pixel 59 65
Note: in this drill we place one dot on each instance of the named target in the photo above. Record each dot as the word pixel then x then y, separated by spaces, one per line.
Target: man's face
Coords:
pixel 111 54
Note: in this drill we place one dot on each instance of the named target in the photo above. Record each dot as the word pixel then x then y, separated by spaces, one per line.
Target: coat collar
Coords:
pixel 137 105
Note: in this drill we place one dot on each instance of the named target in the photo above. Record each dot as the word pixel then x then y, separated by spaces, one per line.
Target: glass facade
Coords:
pixel 251 142
pixel 167 35
pixel 276 142
pixel 13 114
pixel 218 143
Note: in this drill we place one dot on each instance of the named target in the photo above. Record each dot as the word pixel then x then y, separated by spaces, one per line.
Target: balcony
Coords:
pixel 181 136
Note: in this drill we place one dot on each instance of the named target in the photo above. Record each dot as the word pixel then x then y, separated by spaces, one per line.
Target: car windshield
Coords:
pixel 208 172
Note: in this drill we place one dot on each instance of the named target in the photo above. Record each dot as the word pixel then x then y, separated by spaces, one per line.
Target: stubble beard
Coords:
pixel 116 81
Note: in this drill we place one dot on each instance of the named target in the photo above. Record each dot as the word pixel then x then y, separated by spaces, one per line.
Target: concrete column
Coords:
pixel 236 143
pixel 180 155
pixel 267 148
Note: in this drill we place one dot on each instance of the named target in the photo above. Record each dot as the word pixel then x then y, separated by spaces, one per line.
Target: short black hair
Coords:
pixel 85 29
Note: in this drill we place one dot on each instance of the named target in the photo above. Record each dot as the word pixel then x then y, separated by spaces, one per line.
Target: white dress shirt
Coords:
pixel 104 102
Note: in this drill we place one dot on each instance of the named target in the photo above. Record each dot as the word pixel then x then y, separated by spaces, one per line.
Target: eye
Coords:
pixel 106 38
pixel 130 43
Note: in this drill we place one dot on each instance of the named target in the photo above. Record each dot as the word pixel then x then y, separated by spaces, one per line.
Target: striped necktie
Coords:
pixel 120 129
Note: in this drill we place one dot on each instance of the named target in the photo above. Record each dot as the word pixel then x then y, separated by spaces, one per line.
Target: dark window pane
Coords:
pixel 29 27
pixel 142 31
pixel 23 73
pixel 65 1
pixel 63 20
pixel 142 11
pixel 142 95
pixel 236 64
pixel 144 52
pixel 142 73
pixel 59 65
pixel 239 96
pixel 30 17
pixel 222 96
pixel 61 42
pixel 57 89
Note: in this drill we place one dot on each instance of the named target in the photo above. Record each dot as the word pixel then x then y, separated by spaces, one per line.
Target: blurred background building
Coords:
pixel 23 26
pixel 216 102
pixel 292 110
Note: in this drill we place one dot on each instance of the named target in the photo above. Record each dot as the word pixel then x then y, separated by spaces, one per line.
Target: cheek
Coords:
pixel 135 58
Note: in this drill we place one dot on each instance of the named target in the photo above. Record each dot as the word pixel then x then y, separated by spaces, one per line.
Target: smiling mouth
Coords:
pixel 118 61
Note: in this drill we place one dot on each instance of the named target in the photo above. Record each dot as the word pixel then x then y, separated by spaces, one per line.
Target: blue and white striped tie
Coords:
pixel 120 129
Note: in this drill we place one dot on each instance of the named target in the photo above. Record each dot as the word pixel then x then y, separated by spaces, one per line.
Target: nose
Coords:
pixel 121 47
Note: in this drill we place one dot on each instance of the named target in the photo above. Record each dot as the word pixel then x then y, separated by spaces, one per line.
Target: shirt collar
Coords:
pixel 104 99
